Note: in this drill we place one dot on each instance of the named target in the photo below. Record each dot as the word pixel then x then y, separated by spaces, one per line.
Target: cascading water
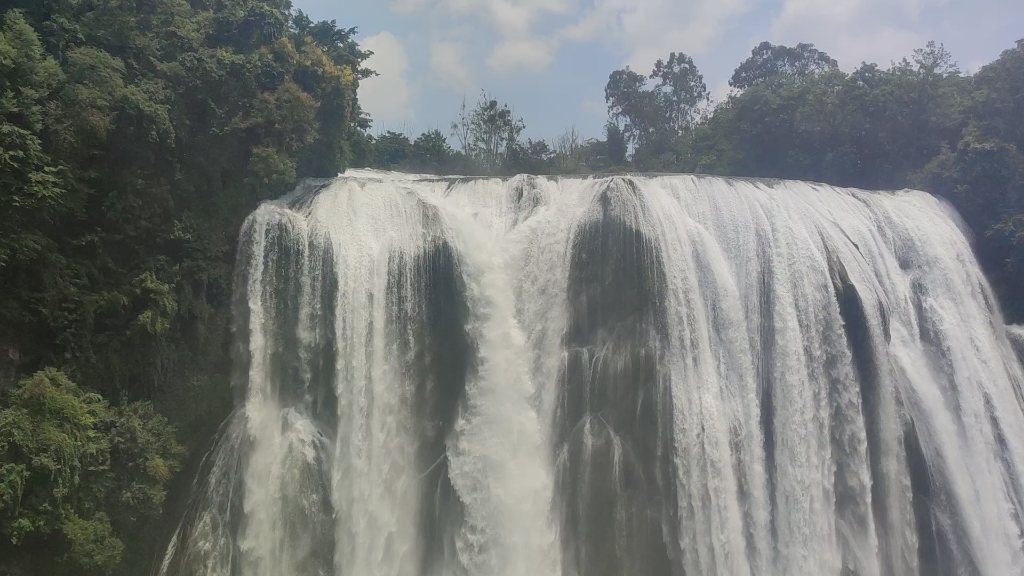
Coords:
pixel 1016 334
pixel 655 376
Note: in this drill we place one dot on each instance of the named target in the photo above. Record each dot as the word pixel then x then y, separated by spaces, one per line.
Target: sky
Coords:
pixel 550 59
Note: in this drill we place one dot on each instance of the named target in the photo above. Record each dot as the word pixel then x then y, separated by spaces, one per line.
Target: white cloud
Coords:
pixel 505 28
pixel 387 97
pixel 852 31
pixel 646 30
pixel 448 65
pixel 526 34
pixel 512 18
pixel 528 54
pixel 407 6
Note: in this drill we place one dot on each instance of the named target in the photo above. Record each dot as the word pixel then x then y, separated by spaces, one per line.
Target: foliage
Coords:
pixel 531 157
pixel 564 152
pixel 67 460
pixel 431 152
pixel 489 136
pixel 680 92
pixel 494 132
pixel 392 149
pixel 32 183
pixel 488 133
pixel 981 170
pixel 134 138
pixel 618 148
pixel 131 152
pixel 658 122
pixel 632 106
pixel 769 62
pixel 655 117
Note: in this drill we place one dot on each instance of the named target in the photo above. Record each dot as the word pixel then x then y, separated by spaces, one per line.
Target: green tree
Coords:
pixel 495 131
pixel 681 92
pixel 68 461
pixel 658 121
pixel 617 145
pixel 431 152
pixel 169 122
pixel 488 133
pixel 786 130
pixel 593 157
pixel 897 120
pixel 983 173
pixel 566 157
pixel 632 105
pixel 31 185
pixel 530 157
pixel 769 62
pixel 392 149
pixel 134 138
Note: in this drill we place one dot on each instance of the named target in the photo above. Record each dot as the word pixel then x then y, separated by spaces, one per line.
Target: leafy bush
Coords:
pixel 68 460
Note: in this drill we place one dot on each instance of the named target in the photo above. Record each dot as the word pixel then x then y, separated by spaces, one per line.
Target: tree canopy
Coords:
pixel 134 138
pixel 769 62
pixel 77 475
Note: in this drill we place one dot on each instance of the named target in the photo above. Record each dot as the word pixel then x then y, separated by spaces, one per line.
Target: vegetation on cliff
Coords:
pixel 134 138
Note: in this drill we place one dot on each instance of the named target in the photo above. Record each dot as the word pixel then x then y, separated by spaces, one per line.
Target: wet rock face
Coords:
pixel 612 419
pixel 428 317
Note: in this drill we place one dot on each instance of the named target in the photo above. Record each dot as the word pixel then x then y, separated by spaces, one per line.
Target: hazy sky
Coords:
pixel 550 59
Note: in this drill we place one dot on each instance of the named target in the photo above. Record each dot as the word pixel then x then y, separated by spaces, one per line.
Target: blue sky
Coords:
pixel 550 59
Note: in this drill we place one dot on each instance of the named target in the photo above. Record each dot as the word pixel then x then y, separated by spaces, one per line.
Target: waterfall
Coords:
pixel 630 375
pixel 1016 334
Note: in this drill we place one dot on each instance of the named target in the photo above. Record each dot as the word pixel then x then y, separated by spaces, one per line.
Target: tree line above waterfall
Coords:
pixel 135 135
pixel 792 113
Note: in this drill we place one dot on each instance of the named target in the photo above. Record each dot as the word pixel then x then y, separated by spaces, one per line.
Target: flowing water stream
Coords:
pixel 631 375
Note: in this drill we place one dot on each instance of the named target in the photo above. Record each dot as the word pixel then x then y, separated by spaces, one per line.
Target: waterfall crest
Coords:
pixel 631 375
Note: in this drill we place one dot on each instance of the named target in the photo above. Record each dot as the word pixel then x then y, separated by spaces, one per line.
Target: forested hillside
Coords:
pixel 136 135
pixel 134 138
